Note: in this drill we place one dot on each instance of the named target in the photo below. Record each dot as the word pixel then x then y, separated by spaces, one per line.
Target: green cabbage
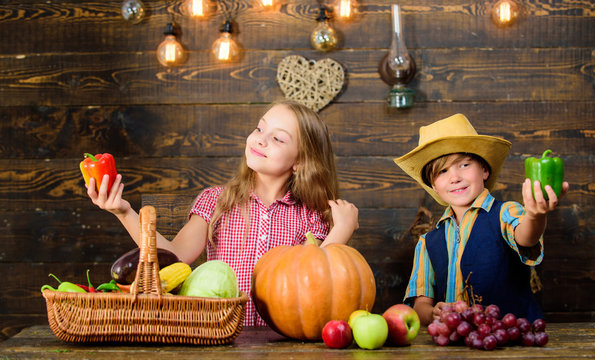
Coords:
pixel 211 279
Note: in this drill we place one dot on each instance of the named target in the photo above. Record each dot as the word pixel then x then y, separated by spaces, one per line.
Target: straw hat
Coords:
pixel 455 134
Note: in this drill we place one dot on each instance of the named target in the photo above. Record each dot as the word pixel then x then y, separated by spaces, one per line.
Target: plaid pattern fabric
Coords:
pixel 284 222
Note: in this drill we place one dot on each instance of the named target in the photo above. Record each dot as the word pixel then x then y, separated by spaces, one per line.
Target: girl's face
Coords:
pixel 272 148
pixel 460 181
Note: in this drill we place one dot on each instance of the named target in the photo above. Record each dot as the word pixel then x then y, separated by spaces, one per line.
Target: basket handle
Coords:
pixel 147 279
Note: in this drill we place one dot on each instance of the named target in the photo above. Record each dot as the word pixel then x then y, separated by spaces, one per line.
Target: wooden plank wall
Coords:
pixel 75 78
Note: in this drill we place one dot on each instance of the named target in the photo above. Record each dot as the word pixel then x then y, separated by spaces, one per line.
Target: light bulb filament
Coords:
pixel 197 8
pixel 170 52
pixel 224 50
pixel 505 12
pixel 267 3
pixel 345 8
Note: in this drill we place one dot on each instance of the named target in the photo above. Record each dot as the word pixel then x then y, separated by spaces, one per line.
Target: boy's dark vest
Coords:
pixel 498 276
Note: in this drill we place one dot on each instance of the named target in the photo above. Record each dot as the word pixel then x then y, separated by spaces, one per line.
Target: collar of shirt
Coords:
pixel 483 201
pixel 287 199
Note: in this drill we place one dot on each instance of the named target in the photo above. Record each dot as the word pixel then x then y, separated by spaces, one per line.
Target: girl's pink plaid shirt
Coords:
pixel 285 222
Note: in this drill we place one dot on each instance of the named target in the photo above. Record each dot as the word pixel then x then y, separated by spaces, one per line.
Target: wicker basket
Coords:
pixel 144 314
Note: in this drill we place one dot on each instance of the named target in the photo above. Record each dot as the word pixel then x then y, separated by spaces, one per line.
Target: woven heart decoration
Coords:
pixel 311 83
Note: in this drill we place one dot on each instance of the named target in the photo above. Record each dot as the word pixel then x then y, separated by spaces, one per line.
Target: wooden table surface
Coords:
pixel 566 340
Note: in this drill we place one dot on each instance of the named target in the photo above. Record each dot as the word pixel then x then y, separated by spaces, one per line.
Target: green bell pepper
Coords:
pixel 547 170
pixel 64 286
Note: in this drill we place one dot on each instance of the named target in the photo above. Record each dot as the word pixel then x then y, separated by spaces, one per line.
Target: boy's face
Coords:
pixel 460 181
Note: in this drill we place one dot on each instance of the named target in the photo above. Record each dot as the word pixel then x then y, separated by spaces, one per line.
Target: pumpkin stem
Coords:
pixel 310 239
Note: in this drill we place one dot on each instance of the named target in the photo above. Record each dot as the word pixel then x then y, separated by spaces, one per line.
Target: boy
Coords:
pixel 496 242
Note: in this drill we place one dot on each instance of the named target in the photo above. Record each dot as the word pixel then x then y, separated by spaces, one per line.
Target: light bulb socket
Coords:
pixel 323 15
pixel 170 29
pixel 227 27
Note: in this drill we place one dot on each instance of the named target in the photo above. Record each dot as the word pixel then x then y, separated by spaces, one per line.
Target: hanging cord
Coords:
pixel 168 4
pixel 323 9
pixel 227 10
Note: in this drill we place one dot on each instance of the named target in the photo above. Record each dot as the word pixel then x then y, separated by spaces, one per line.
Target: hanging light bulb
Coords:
pixel 225 48
pixel 398 67
pixel 170 52
pixel 346 9
pixel 505 13
pixel 133 11
pixel 198 8
pixel 324 37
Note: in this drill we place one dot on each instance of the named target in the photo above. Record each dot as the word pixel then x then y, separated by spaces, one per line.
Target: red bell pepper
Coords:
pixel 97 166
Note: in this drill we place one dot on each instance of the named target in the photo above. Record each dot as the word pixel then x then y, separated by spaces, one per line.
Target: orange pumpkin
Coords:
pixel 298 289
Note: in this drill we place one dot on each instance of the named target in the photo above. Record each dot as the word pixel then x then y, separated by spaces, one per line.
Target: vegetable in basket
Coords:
pixel 124 268
pixel 89 287
pixel 173 276
pixel 64 286
pixel 109 287
pixel 97 166
pixel 211 279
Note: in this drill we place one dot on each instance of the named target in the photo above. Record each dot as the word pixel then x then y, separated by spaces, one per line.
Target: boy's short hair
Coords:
pixel 431 169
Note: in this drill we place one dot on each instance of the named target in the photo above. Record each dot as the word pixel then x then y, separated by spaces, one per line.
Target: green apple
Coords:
pixel 355 314
pixel 369 331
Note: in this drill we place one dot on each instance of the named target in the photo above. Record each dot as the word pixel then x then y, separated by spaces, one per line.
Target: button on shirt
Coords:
pixel 284 222
pixel 422 280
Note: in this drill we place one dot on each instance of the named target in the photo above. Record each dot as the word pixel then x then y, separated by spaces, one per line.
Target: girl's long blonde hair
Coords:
pixel 312 184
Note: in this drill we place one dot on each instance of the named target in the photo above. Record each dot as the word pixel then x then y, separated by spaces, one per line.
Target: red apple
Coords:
pixel 337 334
pixel 403 324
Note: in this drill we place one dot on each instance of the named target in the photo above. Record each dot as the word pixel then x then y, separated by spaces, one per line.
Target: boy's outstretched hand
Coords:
pixel 539 206
pixel 529 230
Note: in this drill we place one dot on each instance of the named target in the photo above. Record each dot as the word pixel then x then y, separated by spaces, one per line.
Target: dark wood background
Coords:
pixel 75 78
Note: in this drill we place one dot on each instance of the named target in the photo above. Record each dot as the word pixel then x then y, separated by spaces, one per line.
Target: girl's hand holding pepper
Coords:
pixel 111 201
pixel 95 166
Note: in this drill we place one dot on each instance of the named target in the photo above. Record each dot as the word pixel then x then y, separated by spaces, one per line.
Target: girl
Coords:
pixel 286 185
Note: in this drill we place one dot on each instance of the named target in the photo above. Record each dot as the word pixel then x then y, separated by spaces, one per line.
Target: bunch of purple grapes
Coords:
pixel 482 328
